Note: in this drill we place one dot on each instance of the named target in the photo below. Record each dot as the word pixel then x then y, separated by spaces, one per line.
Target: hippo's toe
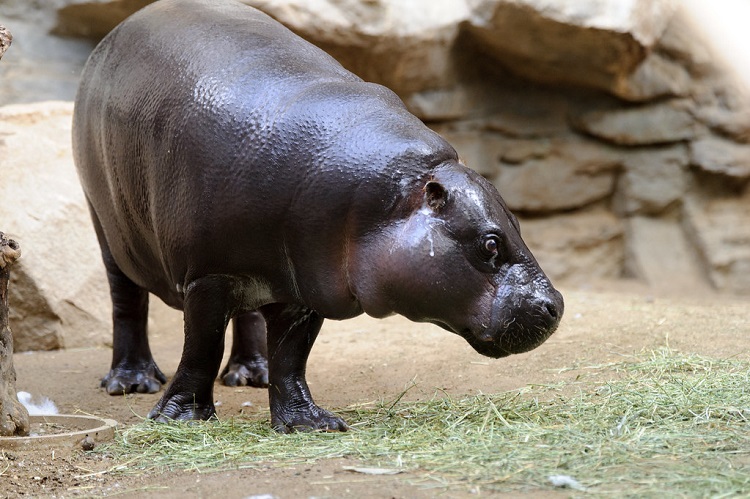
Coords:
pixel 181 407
pixel 254 373
pixel 314 419
pixel 122 380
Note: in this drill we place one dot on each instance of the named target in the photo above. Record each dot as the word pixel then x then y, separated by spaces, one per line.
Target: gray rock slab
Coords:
pixel 720 230
pixel 59 294
pixel 590 43
pixel 560 173
pixel 658 252
pixel 40 66
pixel 577 247
pixel 653 180
pixel 721 156
pixel 656 76
pixel 648 124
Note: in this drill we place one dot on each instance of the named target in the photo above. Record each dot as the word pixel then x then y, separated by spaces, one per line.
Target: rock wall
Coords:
pixel 58 294
pixel 607 125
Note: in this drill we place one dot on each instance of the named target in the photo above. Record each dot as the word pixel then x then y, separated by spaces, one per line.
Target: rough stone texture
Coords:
pixel 501 103
pixel 474 149
pixel 5 39
pixel 561 173
pixel 653 180
pixel 658 252
pixel 680 43
pixel 14 419
pixel 651 124
pixel 720 230
pixel 406 46
pixel 33 9
pixel 40 66
pixel 59 289
pixel 723 157
pixel 577 247
pixel 655 77
pixel 733 123
pixel 443 105
pixel 94 18
pixel 589 43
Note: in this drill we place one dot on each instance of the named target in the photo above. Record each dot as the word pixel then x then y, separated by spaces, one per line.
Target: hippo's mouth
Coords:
pixel 511 331
pixel 487 347
pixel 505 343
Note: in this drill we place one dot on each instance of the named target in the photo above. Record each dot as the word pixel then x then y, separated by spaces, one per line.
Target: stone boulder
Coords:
pixel 720 230
pixel 659 253
pixel 40 66
pixel 661 123
pixel 590 43
pixel 94 18
pixel 682 42
pixel 653 180
pixel 554 174
pixel 657 76
pixel 722 157
pixel 733 122
pixel 406 46
pixel 587 245
pixel 58 291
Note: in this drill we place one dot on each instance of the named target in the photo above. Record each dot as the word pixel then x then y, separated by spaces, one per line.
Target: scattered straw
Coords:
pixel 664 422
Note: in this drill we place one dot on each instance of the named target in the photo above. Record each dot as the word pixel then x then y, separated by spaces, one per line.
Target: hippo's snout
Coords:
pixel 519 322
pixel 553 306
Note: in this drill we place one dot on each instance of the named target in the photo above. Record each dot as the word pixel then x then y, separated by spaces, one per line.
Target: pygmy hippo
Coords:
pixel 230 166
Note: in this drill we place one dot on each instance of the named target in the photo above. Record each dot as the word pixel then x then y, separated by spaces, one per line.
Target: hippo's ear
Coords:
pixel 435 195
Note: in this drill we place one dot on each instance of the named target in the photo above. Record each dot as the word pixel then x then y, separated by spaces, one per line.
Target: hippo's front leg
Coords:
pixel 291 333
pixel 208 306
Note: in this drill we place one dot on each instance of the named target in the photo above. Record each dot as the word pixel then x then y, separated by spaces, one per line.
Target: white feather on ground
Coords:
pixel 39 406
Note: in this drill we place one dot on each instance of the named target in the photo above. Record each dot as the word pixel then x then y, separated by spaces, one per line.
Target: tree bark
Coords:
pixel 14 418
pixel 5 39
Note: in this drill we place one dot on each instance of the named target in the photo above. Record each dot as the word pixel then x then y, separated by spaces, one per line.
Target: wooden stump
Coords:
pixel 14 419
pixel 5 39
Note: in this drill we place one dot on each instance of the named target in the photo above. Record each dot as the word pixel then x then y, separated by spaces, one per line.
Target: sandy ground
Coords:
pixel 361 360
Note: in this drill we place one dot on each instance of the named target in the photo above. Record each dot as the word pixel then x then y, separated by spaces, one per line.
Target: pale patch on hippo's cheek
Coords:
pixel 419 234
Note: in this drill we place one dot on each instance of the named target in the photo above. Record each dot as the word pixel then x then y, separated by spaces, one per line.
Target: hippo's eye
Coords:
pixel 490 245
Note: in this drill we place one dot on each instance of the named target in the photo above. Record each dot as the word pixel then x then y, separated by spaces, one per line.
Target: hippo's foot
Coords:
pixel 248 373
pixel 122 380
pixel 181 406
pixel 311 418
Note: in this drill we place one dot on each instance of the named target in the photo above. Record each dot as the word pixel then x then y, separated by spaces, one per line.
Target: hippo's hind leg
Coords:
pixel 291 333
pixel 208 306
pixel 248 361
pixel 133 367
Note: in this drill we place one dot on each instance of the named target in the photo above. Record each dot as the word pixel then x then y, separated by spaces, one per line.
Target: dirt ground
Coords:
pixel 361 360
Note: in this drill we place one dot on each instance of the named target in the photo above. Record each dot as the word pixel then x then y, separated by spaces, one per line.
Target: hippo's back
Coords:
pixel 196 121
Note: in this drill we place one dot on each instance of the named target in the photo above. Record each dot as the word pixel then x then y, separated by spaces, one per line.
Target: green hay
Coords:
pixel 664 422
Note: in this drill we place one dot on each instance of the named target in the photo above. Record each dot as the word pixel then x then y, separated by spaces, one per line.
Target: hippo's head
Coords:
pixel 457 260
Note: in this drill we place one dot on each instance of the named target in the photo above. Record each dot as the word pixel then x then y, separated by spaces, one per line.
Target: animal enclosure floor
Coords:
pixel 358 361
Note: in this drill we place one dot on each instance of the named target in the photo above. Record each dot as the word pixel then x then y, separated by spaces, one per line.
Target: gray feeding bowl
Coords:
pixel 63 431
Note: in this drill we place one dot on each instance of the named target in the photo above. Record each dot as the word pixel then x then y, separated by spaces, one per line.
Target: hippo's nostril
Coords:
pixel 551 309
